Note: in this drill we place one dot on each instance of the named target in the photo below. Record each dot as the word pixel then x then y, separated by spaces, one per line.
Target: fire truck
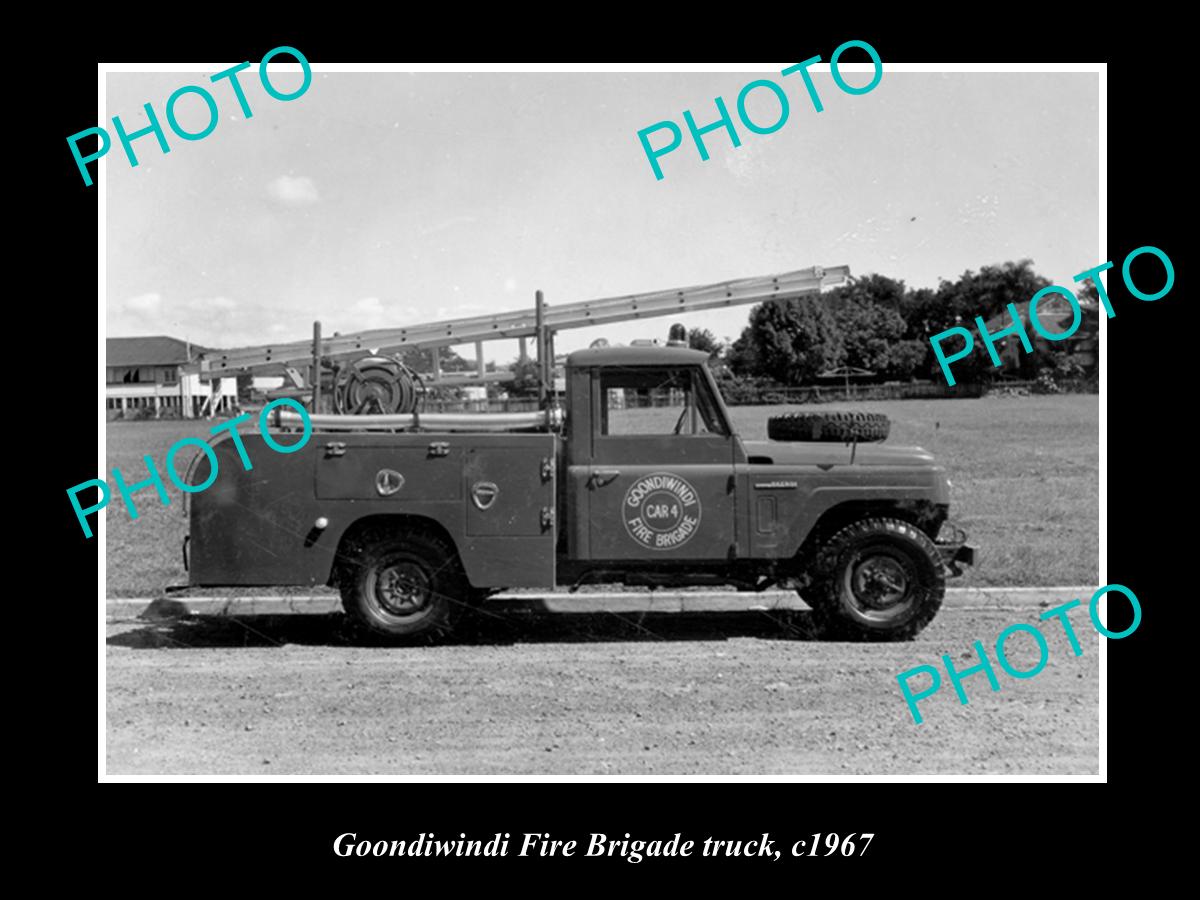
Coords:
pixel 634 476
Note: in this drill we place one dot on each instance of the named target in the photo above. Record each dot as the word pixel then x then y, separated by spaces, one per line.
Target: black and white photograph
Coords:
pixel 598 422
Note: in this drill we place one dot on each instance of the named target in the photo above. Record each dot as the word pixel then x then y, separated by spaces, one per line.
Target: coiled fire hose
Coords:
pixel 376 385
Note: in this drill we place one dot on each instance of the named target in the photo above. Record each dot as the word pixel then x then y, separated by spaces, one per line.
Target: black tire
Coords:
pixel 405 584
pixel 829 426
pixel 877 579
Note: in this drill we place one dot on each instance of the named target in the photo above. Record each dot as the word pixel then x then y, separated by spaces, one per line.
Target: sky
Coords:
pixel 390 199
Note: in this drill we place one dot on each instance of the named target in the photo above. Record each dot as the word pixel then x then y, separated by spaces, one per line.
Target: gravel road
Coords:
pixel 745 693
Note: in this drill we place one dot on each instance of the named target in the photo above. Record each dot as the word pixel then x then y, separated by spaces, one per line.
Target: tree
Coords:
pixel 789 341
pixel 420 359
pixel 984 294
pixel 742 358
pixel 877 323
pixel 920 309
pixel 1088 294
pixel 905 359
pixel 525 381
pixel 703 339
pixel 877 289
pixel 988 292
pixel 868 331
pixel 868 312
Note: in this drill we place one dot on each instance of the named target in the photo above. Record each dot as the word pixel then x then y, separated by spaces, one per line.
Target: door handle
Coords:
pixel 601 477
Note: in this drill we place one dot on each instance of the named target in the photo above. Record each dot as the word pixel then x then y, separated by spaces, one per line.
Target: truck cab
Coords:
pixel 642 480
pixel 650 459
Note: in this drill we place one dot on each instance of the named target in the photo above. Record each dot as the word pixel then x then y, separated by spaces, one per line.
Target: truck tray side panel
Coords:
pixel 259 527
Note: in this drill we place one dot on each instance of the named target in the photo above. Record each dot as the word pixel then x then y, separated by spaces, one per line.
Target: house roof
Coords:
pixel 158 350
pixel 1055 315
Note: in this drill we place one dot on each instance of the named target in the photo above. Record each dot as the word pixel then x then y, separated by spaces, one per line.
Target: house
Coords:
pixel 146 373
pixel 1056 315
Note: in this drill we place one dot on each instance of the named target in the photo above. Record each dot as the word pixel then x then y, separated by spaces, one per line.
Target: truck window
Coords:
pixel 657 401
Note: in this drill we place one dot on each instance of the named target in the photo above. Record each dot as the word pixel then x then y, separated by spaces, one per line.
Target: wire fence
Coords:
pixel 765 395
pixel 752 394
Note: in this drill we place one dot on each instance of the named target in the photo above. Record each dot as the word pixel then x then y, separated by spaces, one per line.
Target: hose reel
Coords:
pixel 376 385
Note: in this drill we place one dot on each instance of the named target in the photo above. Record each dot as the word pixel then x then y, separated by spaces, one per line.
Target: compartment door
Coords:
pixel 509 489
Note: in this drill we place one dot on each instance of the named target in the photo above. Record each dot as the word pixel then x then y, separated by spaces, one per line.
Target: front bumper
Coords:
pixel 955 551
pixel 953 555
pixel 965 554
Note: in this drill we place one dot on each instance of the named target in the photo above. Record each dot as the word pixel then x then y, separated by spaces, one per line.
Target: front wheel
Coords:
pixel 403 584
pixel 878 579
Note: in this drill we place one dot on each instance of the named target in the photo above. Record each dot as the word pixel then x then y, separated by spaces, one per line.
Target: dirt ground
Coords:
pixel 745 693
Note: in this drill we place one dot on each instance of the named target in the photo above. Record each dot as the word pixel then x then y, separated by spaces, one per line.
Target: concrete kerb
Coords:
pixel 1001 598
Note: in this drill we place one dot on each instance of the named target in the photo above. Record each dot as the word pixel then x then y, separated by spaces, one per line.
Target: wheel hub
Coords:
pixel 879 582
pixel 403 589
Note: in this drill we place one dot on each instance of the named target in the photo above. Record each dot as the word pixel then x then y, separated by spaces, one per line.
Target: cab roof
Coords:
pixel 636 356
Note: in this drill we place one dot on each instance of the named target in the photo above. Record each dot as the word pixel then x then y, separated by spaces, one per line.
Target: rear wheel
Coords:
pixel 877 579
pixel 403 584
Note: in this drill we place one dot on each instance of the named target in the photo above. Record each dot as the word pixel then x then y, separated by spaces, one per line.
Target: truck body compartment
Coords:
pixel 493 495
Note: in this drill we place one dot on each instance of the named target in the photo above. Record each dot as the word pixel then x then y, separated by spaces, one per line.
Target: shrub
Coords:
pixel 1046 383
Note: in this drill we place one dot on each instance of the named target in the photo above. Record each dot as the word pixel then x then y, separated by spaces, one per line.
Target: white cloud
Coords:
pixel 367 313
pixel 141 306
pixel 226 322
pixel 510 285
pixel 210 321
pixel 293 191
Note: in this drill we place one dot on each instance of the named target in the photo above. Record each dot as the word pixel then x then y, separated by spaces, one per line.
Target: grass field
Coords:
pixel 1025 472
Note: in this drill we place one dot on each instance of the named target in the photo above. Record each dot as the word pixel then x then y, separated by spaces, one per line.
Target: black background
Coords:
pixel 283 832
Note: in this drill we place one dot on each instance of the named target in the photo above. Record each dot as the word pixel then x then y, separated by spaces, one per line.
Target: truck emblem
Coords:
pixel 661 511
pixel 775 485
pixel 388 481
pixel 484 494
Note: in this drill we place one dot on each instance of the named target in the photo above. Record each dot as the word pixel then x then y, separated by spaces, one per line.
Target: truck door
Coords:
pixel 660 485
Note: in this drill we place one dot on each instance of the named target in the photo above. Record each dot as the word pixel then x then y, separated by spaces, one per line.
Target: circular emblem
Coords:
pixel 661 511
pixel 388 482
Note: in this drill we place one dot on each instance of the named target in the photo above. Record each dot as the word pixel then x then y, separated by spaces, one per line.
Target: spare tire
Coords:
pixel 829 426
